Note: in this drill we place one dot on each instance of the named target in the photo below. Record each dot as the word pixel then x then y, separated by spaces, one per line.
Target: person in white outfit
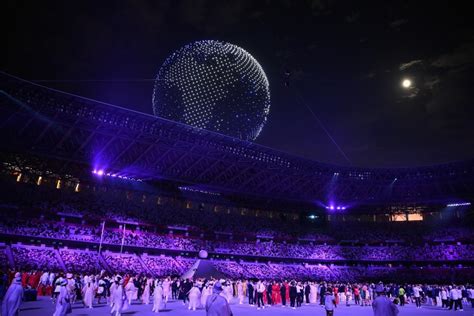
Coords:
pixel 71 287
pixel 417 295
pixel 43 283
pixel 455 296
pixel 313 293
pixel 52 276
pixel 112 288
pixel 157 296
pixel 131 291
pixel 117 296
pixel 166 289
pixel 470 294
pixel 228 292
pixel 206 292
pixel 146 292
pixel 63 300
pixel 12 300
pixel 348 294
pixel 260 288
pixel 240 292
pixel 460 298
pixel 88 293
pixel 44 280
pixel 194 297
pixel 444 298
pixel 57 288
pixel 101 291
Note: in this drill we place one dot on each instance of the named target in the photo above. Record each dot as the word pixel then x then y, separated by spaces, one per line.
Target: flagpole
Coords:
pixel 123 238
pixel 101 236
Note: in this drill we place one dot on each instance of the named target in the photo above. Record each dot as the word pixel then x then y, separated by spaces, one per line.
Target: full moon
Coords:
pixel 406 83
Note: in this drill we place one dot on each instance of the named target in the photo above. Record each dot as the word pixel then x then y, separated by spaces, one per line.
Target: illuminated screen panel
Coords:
pixel 415 217
pixel 399 217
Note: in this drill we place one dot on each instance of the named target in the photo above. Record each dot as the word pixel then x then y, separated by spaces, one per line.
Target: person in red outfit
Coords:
pixel 336 291
pixel 125 280
pixel 33 280
pixel 276 299
pixel 24 279
pixel 356 295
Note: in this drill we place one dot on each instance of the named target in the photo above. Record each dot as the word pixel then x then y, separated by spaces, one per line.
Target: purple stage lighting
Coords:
pixel 102 172
pixel 458 204
pixel 333 207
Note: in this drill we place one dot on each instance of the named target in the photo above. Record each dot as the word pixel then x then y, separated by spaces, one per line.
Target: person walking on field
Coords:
pixel 329 302
pixel 382 305
pixel 157 297
pixel 216 304
pixel 401 296
pixel 12 299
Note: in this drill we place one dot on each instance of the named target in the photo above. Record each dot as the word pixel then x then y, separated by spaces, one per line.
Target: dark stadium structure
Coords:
pixel 162 191
pixel 43 122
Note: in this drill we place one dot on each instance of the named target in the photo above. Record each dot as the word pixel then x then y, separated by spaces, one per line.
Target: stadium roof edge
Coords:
pixel 246 143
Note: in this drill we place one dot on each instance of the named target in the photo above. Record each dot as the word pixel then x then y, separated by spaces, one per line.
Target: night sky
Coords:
pixel 345 59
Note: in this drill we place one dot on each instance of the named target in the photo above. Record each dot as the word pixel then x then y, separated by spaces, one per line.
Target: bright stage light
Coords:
pixel 104 173
pixel 335 207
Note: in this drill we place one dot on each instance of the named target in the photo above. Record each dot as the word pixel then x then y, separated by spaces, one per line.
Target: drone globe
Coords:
pixel 215 86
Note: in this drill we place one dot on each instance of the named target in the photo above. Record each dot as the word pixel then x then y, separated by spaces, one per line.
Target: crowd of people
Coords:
pixel 121 290
pixel 266 262
pixel 271 249
pixel 78 260
pixel 28 258
pixel 35 258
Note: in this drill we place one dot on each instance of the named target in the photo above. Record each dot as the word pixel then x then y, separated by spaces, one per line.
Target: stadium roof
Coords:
pixel 50 123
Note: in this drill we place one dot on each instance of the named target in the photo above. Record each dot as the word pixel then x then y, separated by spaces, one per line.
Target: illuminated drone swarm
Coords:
pixel 215 86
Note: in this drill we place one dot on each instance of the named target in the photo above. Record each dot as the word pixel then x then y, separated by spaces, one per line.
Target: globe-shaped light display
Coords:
pixel 215 86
